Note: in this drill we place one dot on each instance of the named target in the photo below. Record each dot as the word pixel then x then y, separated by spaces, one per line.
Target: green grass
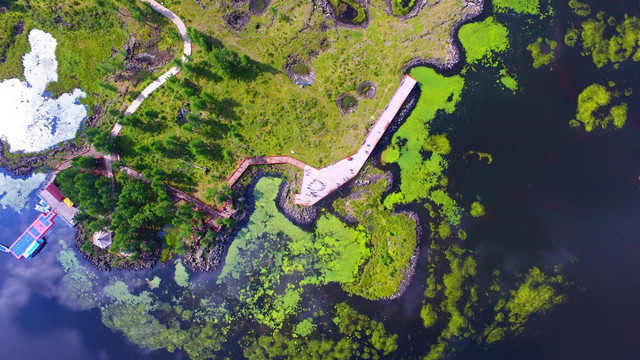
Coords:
pixel 268 114
pixel 86 33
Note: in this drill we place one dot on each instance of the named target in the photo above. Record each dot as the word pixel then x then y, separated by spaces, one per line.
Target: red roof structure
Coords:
pixel 55 192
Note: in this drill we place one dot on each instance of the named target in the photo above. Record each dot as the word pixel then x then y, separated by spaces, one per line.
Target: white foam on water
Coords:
pixel 30 121
pixel 14 192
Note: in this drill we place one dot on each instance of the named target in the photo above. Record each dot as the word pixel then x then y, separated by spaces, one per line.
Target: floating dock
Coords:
pixel 31 239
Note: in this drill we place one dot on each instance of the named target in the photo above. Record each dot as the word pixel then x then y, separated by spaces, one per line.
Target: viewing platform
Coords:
pixel 318 183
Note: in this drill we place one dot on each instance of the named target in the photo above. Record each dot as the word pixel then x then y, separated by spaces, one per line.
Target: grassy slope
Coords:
pixel 273 115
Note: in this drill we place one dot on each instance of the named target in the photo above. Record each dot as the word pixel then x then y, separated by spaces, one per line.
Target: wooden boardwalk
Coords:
pixel 263 160
pixel 318 183
pixel 179 194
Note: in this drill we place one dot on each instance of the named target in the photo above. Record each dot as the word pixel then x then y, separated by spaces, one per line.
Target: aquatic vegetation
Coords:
pixel 181 276
pixel 14 192
pixel 477 209
pixel 536 293
pixel 357 337
pixel 141 316
pixel 429 315
pixel 580 8
pixel 542 54
pixel 508 80
pixel 438 144
pixel 305 327
pixel 455 286
pixel 31 120
pixel 79 279
pixel 482 40
pixel 614 49
pixel 472 154
pixel 419 177
pixel 593 103
pixel 571 37
pixel 533 296
pixel 531 7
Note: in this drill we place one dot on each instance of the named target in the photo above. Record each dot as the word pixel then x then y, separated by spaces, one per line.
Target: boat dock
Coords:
pixel 54 198
pixel 27 243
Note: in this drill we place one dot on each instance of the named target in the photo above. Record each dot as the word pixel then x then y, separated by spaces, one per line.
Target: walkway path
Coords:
pixel 186 52
pixel 318 183
pixel 263 160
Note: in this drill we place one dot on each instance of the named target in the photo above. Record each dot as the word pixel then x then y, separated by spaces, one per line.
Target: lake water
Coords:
pixel 554 195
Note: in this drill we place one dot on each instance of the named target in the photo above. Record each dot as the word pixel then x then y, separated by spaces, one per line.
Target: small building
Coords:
pixel 102 239
pixel 55 192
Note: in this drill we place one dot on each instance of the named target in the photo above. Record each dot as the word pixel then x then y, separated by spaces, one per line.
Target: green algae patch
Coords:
pixel 580 8
pixel 595 110
pixel 424 177
pixel 356 336
pixel 542 52
pixel 342 250
pixel 610 41
pixel 154 283
pixel 508 81
pixel 531 7
pixel 181 276
pixel 482 40
pixel 477 209
pixel 571 37
pixel 305 327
